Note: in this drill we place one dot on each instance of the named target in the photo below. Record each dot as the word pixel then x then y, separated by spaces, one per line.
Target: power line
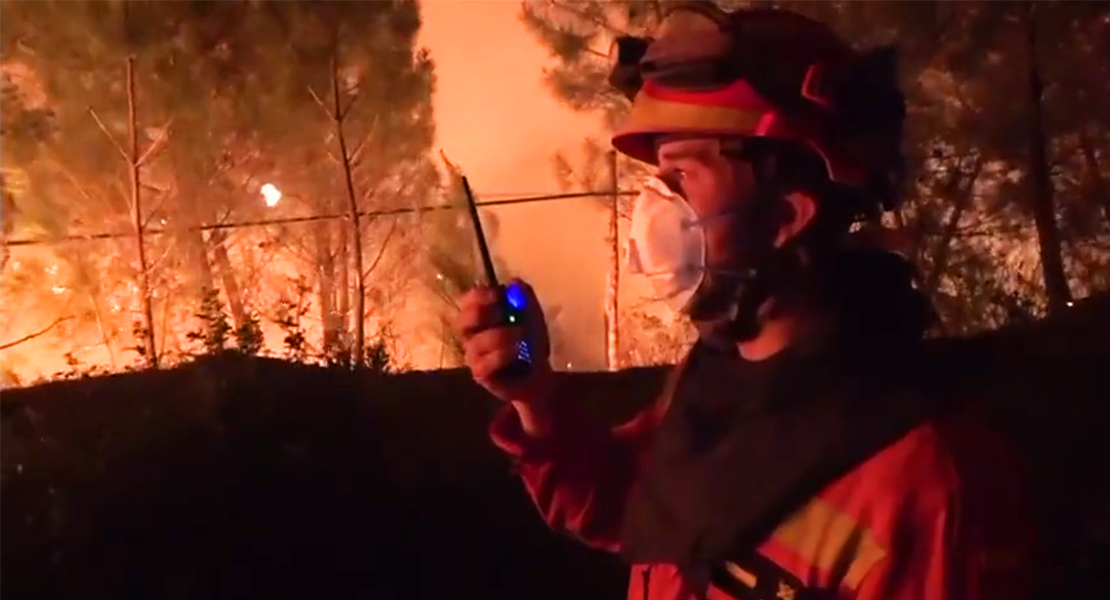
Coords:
pixel 309 219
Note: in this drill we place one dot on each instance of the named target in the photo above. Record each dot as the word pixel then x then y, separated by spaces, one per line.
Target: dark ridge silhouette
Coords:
pixel 240 477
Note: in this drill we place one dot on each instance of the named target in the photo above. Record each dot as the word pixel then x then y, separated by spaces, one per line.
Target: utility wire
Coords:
pixel 309 219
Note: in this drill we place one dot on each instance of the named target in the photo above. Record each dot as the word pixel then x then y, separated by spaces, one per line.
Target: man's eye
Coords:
pixel 673 178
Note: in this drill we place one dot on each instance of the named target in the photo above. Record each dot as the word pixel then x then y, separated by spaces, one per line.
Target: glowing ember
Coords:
pixel 271 194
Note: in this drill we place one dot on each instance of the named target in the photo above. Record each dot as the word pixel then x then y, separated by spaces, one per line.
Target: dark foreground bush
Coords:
pixel 255 478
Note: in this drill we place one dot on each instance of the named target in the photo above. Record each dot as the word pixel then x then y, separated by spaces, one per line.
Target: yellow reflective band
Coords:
pixel 745 577
pixel 826 538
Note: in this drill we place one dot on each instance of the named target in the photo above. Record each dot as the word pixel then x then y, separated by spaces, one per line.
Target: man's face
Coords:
pixel 741 229
pixel 715 186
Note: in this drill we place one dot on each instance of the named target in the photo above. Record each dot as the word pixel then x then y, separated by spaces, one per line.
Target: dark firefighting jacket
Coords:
pixel 935 511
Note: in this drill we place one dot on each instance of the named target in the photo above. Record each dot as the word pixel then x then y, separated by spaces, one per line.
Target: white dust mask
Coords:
pixel 666 244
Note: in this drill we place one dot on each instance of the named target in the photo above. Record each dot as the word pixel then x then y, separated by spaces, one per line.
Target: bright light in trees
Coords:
pixel 271 194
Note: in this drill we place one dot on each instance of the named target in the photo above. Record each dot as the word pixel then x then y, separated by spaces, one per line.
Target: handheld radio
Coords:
pixel 513 299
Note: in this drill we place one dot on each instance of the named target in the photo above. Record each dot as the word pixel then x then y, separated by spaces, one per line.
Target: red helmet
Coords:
pixel 770 74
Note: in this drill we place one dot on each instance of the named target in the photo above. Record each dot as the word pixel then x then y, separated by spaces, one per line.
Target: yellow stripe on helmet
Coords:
pixel 651 117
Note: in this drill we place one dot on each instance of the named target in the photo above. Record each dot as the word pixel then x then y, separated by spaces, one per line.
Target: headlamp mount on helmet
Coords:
pixel 804 86
pixel 699 47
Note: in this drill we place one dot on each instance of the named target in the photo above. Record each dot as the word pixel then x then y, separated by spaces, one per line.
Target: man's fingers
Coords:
pixel 492 341
pixel 479 309
pixel 490 344
pixel 491 350
pixel 479 295
pixel 484 367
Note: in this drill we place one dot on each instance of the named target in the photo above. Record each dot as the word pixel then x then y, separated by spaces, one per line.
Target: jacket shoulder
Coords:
pixel 954 465
pixel 939 459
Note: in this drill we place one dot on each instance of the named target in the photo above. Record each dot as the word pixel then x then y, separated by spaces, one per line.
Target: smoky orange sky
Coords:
pixel 497 120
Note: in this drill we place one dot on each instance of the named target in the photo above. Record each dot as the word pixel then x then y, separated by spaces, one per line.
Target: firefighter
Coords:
pixel 803 448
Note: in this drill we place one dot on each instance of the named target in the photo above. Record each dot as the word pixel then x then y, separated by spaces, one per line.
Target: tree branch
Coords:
pixel 604 24
pixel 69 176
pixel 323 105
pixel 34 335
pixel 350 103
pixel 381 251
pixel 353 158
pixel 332 156
pixel 163 195
pixel 104 128
pixel 157 145
pixel 230 165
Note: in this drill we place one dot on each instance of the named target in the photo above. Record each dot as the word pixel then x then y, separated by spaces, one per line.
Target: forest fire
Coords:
pixel 171 187
pixel 234 266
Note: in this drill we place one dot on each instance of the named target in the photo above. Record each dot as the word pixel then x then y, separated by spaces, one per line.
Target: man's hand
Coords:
pixel 489 345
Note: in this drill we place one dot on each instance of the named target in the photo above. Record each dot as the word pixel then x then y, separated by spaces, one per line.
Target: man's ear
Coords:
pixel 799 211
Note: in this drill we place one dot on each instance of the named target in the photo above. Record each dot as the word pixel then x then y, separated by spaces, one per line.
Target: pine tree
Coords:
pixel 452 262
pixel 226 91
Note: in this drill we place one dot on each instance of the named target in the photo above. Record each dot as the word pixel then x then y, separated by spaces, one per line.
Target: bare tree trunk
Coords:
pixel 944 244
pixel 217 240
pixel 191 213
pixel 338 114
pixel 1094 175
pixel 104 337
pixel 134 164
pixel 325 265
pixel 1044 212
pixel 198 258
pixel 7 221
pixel 343 286
pixel 612 300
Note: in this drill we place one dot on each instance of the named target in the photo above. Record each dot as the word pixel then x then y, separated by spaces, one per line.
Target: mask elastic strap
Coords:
pixel 757 286
pixel 746 275
pixel 703 221
pixel 739 275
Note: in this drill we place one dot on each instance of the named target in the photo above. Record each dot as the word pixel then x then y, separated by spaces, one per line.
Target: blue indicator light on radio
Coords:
pixel 515 296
